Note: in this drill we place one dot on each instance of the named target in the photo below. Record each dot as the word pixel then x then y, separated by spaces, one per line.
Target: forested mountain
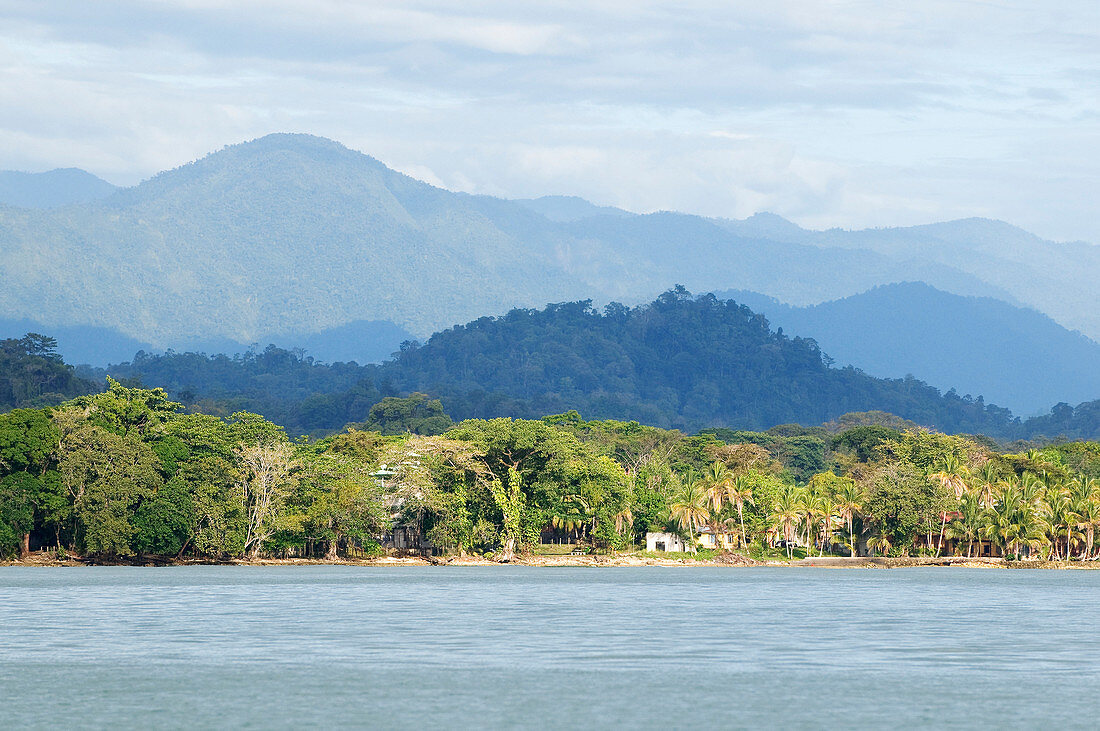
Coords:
pixel 677 362
pixel 51 189
pixel 1014 356
pixel 293 234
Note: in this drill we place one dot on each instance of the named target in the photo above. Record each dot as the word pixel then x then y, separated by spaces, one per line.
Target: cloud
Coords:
pixel 836 113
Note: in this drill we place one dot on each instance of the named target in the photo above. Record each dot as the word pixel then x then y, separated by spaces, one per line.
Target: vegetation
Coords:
pixel 678 362
pixel 32 373
pixel 127 473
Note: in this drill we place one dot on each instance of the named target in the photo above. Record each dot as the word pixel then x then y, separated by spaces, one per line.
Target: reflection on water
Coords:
pixel 647 647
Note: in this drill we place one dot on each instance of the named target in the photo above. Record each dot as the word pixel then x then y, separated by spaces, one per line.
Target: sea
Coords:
pixel 532 647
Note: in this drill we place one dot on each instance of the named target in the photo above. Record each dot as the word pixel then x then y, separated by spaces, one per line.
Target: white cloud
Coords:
pixel 834 113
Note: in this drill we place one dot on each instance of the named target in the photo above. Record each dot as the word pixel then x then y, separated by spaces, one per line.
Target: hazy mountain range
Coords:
pixel 1013 356
pixel 291 236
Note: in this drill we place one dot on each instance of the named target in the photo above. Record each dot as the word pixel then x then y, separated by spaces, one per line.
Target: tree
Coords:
pixel 416 414
pixel 739 492
pixel 264 481
pixel 900 501
pixel 968 523
pixel 17 492
pixel 28 440
pixel 847 497
pixel 787 514
pixel 107 476
pixel 347 502
pixel 123 410
pixel 952 476
pixel 689 509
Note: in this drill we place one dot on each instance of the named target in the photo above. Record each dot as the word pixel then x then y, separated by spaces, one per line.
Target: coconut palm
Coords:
pixel 988 477
pixel 1060 519
pixel 849 501
pixel 717 480
pixel 967 524
pixel 999 516
pixel 1013 518
pixel 828 517
pixel 689 509
pixel 1085 493
pixel 717 477
pixel 952 476
pixel 787 515
pixel 879 543
pixel 739 492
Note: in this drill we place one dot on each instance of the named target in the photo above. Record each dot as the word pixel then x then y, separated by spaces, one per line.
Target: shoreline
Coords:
pixel 621 561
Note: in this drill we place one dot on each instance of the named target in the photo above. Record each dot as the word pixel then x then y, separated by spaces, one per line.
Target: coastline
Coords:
pixel 44 560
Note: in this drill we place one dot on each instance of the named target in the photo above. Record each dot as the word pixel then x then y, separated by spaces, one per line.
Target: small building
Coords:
pixel 722 541
pixel 664 542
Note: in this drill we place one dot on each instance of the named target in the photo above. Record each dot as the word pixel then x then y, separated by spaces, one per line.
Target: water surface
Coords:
pixel 547 647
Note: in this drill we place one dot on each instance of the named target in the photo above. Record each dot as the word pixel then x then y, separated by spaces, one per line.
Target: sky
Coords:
pixel 832 114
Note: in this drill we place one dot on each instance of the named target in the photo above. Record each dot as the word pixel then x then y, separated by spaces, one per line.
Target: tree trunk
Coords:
pixel 943 526
pixel 509 551
pixel 25 546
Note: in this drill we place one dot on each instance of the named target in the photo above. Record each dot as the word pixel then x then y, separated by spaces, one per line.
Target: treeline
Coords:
pixel 678 362
pixel 128 473
pixel 32 373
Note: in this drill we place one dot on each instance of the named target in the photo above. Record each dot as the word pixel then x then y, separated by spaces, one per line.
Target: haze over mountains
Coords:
pixel 293 236
pixel 1015 357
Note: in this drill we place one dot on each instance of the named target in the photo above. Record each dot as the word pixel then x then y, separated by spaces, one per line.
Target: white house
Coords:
pixel 661 542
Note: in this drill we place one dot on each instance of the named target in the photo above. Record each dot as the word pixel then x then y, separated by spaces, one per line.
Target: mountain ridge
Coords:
pixel 294 234
pixel 1016 357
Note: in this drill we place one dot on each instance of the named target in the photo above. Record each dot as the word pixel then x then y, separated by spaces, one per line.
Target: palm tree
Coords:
pixel 952 476
pixel 716 481
pixel 1086 502
pixel 787 514
pixel 828 515
pixel 1059 516
pixel 879 543
pixel 739 492
pixel 849 501
pixel 967 526
pixel 689 509
pixel 717 477
pixel 999 515
pixel 1013 518
pixel 988 477
pixel 814 508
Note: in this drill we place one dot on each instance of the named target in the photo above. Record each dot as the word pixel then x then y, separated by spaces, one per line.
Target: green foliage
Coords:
pixel 32 374
pixel 901 502
pixel 416 414
pixel 108 475
pixel 18 492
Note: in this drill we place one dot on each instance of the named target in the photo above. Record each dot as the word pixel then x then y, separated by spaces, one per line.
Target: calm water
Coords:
pixel 514 646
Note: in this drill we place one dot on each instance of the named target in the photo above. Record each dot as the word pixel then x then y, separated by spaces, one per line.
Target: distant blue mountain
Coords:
pixel 59 187
pixel 1014 357
pixel 362 341
pixel 569 208
pixel 79 344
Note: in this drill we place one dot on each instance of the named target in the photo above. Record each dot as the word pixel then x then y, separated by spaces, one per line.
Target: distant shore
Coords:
pixel 621 560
